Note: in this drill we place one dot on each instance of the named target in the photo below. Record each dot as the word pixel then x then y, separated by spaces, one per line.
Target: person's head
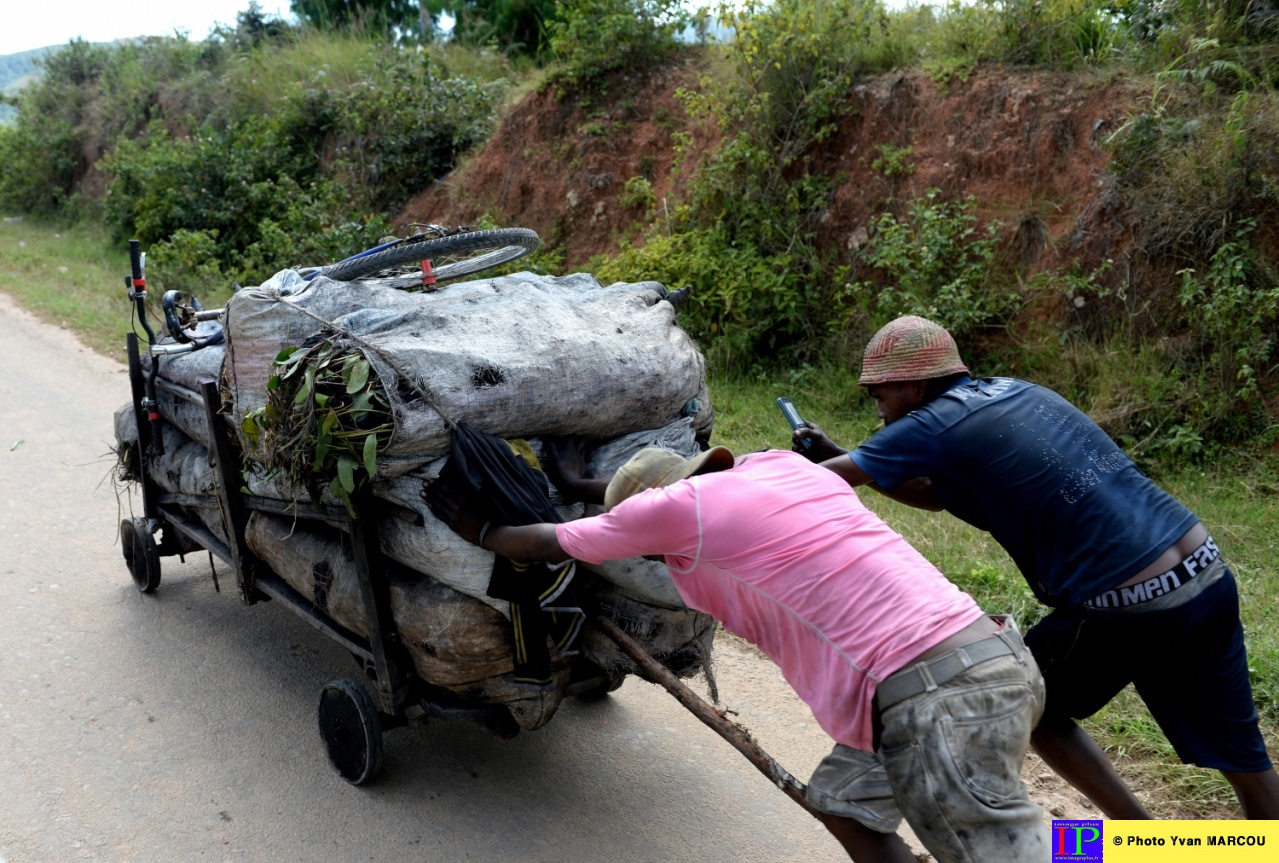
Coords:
pixel 655 468
pixel 907 364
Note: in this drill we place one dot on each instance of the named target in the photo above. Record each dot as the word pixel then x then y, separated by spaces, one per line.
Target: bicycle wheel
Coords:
pixel 451 257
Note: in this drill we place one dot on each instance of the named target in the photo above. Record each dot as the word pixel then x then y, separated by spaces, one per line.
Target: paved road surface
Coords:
pixel 181 726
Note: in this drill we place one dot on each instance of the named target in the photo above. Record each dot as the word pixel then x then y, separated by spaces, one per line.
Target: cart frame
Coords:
pixel 351 718
pixel 351 722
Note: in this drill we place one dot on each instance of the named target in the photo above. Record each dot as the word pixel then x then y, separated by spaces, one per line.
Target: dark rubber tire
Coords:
pixel 452 257
pixel 351 729
pixel 141 554
pixel 601 690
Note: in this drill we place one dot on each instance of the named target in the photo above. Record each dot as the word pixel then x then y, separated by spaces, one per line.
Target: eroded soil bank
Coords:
pixel 1025 144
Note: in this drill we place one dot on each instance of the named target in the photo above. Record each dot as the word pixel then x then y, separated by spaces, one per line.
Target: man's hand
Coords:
pixel 565 459
pixel 822 449
pixel 530 542
pixel 566 464
pixel 448 506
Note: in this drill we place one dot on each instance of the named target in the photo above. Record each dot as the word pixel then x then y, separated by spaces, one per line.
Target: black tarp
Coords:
pixel 502 487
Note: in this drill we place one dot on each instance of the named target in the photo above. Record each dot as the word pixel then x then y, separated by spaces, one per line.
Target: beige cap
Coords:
pixel 655 468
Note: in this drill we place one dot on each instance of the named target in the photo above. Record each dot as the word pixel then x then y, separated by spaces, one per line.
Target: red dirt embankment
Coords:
pixel 560 166
pixel 1025 144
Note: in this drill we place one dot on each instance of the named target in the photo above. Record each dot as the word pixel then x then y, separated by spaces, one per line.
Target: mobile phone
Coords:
pixel 793 417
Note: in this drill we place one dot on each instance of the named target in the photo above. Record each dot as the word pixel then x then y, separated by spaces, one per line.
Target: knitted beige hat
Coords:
pixel 655 468
pixel 910 349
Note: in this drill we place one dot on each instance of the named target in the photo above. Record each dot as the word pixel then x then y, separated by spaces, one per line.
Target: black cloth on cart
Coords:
pixel 502 487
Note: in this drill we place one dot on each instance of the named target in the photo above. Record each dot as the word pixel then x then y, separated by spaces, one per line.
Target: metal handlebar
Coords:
pixel 170 303
pixel 136 283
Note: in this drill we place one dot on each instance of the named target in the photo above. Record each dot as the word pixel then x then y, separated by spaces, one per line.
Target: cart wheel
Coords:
pixel 601 690
pixel 140 553
pixel 352 730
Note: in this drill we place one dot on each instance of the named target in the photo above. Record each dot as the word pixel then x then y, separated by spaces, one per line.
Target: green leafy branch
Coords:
pixel 324 422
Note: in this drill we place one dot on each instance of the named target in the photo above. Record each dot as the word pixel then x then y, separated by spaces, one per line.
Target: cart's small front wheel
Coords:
pixel 602 689
pixel 141 554
pixel 589 682
pixel 352 730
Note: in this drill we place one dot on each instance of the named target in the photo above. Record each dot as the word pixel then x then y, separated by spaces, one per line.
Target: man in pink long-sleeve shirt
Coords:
pixel 890 656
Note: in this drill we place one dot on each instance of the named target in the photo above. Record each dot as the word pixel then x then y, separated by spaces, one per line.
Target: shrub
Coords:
pixel 591 38
pixel 383 17
pixel 242 194
pixel 743 301
pixel 262 147
pixel 517 26
pixel 403 126
pixel 190 261
pixel 956 36
pixel 744 235
pixel 793 62
pixel 1233 310
pixel 41 162
pixel 638 192
pixel 1230 43
pixel 938 265
pixel 88 97
pixel 1192 168
pixel 1059 33
pixel 261 191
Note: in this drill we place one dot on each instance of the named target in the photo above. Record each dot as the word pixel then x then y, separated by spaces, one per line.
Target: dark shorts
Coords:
pixel 1187 663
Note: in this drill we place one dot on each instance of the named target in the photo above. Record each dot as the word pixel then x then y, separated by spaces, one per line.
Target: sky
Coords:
pixel 29 24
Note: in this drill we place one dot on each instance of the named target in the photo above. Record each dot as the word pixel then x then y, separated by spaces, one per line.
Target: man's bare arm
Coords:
pixel 918 492
pixel 847 470
pixel 530 542
pixel 526 543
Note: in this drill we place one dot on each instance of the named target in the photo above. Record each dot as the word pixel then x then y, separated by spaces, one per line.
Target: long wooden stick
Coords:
pixel 739 737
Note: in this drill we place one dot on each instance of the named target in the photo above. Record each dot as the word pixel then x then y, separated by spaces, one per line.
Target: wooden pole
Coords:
pixel 739 737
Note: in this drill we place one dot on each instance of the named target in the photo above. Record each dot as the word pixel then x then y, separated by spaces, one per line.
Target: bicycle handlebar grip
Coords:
pixel 135 262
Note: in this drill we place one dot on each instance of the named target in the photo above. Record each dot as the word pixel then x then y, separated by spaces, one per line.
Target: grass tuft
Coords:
pixel 69 276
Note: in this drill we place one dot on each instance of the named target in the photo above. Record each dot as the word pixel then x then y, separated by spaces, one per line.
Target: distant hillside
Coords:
pixel 15 71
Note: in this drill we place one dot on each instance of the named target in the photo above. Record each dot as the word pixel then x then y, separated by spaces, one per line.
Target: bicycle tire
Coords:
pixel 494 248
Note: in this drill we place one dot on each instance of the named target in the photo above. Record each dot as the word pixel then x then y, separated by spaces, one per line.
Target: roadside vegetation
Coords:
pixel 271 145
pixel 1174 354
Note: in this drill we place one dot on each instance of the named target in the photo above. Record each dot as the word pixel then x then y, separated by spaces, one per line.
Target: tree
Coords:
pixel 516 25
pixel 384 16
pixel 253 26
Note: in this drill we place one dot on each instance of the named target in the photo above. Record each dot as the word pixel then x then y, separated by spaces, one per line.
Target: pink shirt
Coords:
pixel 785 554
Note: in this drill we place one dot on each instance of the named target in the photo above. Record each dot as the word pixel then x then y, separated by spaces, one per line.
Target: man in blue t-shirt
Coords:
pixel 1139 589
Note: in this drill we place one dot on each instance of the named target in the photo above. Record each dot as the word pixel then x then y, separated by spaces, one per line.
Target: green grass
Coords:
pixel 72 276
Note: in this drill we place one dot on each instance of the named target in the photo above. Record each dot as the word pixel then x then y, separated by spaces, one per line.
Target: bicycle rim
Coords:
pixel 452 257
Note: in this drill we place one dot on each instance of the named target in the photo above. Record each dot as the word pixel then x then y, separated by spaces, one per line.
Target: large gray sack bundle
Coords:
pixel 518 356
pixel 459 642
pixel 432 548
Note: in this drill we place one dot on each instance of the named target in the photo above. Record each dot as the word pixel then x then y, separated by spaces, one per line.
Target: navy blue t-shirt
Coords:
pixel 1020 461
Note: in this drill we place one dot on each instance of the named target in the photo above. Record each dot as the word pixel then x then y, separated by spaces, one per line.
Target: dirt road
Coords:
pixel 181 726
